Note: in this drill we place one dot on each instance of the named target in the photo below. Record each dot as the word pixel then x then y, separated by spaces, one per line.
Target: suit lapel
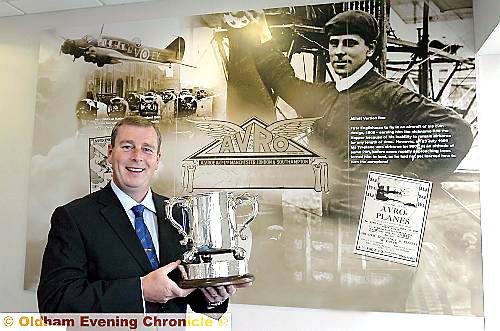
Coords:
pixel 117 218
pixel 168 237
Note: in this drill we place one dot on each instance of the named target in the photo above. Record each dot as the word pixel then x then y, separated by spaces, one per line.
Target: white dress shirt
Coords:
pixel 342 84
pixel 149 216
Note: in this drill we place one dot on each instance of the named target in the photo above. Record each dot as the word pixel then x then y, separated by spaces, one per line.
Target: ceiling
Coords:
pixel 25 7
pixel 411 11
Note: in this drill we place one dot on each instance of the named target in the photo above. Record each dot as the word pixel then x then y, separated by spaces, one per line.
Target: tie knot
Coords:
pixel 138 210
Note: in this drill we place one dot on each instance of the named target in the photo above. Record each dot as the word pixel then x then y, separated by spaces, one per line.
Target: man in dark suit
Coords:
pixel 98 257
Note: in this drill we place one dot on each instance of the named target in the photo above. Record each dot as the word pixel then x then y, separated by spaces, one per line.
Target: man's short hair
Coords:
pixel 353 22
pixel 135 121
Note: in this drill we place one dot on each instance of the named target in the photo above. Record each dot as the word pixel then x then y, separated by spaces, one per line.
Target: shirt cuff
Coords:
pixel 212 305
pixel 142 296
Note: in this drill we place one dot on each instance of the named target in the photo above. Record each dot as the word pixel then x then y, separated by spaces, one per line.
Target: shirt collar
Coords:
pixel 127 202
pixel 343 84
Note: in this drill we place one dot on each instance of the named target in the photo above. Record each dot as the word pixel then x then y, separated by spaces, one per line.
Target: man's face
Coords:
pixel 348 53
pixel 134 158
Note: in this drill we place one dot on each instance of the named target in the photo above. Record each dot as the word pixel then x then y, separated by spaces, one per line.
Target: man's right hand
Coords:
pixel 158 287
pixel 258 18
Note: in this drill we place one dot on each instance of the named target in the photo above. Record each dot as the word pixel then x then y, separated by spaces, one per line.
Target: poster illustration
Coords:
pixel 393 216
pixel 284 104
pixel 100 171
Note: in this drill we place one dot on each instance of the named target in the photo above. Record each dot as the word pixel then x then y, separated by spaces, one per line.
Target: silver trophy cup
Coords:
pixel 210 228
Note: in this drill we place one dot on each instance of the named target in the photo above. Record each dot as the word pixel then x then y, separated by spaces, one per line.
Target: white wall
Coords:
pixel 18 76
pixel 488 84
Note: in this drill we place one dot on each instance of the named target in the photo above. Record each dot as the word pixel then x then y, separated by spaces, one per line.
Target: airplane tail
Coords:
pixel 176 48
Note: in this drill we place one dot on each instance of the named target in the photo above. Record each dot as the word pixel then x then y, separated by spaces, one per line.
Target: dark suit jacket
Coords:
pixel 93 260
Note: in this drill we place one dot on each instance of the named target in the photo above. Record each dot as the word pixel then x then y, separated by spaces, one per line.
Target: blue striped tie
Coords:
pixel 142 232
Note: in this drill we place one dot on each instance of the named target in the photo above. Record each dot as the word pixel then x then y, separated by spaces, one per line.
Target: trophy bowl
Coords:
pixel 209 228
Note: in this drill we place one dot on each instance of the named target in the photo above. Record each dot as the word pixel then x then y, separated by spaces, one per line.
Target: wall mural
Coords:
pixel 265 102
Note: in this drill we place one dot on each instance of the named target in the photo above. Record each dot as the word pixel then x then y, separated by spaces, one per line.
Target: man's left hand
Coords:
pixel 218 294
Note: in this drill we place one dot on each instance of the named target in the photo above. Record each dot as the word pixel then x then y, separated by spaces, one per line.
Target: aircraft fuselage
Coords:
pixel 129 48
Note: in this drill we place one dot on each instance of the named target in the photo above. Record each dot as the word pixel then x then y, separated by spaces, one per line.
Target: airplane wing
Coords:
pixel 436 51
pixel 119 57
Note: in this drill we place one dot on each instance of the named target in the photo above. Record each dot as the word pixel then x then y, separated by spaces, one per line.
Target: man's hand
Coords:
pixel 257 17
pixel 221 293
pixel 158 287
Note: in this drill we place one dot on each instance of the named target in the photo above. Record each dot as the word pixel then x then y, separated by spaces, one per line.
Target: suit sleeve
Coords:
pixel 277 73
pixel 414 109
pixel 199 304
pixel 64 283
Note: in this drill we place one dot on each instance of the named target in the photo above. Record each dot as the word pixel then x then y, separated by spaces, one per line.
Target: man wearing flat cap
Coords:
pixel 352 40
pixel 358 97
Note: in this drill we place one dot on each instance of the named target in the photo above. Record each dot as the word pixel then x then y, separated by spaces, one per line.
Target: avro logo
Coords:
pixel 255 136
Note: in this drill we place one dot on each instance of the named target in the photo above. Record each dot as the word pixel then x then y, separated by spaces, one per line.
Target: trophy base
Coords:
pixel 216 273
pixel 231 280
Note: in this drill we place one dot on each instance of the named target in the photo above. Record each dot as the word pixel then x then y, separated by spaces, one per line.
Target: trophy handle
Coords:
pixel 168 210
pixel 245 199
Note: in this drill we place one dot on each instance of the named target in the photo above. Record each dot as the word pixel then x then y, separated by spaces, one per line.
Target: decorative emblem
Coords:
pixel 256 155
